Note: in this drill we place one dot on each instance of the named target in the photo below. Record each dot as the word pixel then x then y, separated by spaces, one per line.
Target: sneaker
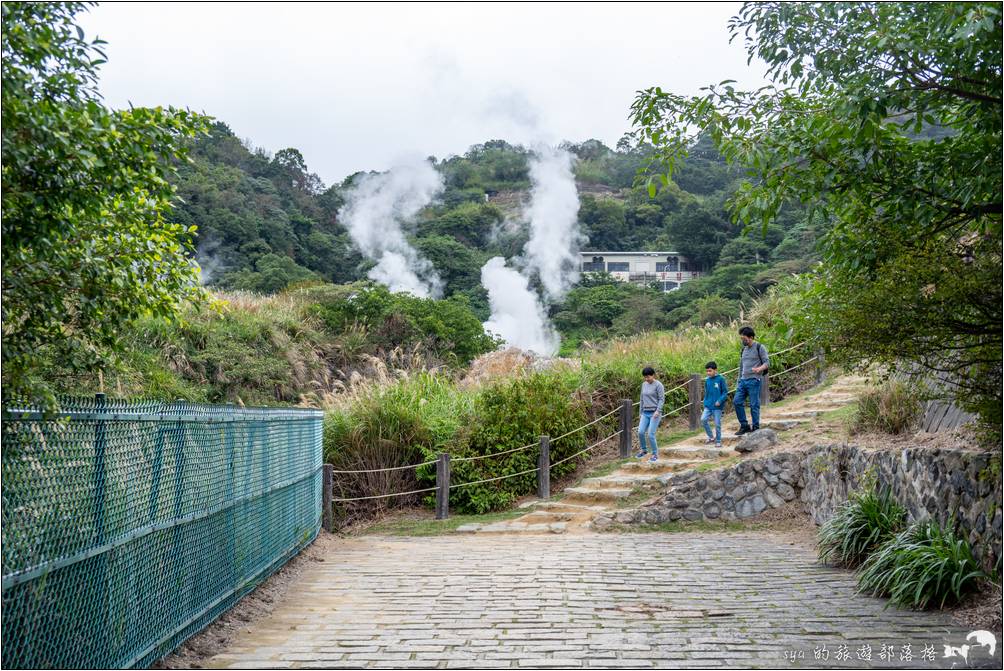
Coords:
pixel 653 459
pixel 640 455
pixel 756 427
pixel 718 445
pixel 743 430
pixel 708 441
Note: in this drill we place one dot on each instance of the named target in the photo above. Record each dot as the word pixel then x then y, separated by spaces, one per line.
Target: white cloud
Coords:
pixel 356 86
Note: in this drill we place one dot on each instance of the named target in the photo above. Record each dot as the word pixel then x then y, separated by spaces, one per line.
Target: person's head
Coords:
pixel 648 373
pixel 711 368
pixel 746 335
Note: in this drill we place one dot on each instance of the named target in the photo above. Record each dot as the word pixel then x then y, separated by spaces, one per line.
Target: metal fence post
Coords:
pixel 544 468
pixel 100 527
pixel 694 396
pixel 326 485
pixel 820 366
pixel 627 424
pixel 443 487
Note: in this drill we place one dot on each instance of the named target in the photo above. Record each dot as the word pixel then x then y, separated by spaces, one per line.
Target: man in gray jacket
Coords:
pixel 753 363
pixel 653 396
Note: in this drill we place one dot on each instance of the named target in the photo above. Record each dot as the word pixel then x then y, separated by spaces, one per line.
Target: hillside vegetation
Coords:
pixel 265 222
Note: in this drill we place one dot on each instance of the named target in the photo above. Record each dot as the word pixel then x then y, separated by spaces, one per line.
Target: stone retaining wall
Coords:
pixel 927 482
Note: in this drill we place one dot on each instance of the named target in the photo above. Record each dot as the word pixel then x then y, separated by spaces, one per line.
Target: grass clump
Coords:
pixel 892 408
pixel 922 566
pixel 858 527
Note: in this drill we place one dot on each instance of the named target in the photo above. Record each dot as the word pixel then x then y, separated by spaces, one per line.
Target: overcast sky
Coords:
pixel 360 87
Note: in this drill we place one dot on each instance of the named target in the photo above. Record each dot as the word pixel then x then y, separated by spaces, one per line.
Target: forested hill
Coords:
pixel 265 221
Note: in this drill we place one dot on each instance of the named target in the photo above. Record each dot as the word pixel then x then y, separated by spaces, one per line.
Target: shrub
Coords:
pixel 858 526
pixel 922 566
pixel 894 407
pixel 508 415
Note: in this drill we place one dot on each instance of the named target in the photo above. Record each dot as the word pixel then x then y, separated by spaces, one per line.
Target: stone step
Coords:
pixel 547 516
pixel 664 465
pixel 596 495
pixel 621 481
pixel 563 507
pixel 513 527
pixel 785 413
pixel 699 441
pixel 694 452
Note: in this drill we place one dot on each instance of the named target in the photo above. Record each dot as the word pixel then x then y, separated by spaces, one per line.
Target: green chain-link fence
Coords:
pixel 128 526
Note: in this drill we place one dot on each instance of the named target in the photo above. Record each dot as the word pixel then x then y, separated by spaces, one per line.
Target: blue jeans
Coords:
pixel 717 414
pixel 749 387
pixel 647 427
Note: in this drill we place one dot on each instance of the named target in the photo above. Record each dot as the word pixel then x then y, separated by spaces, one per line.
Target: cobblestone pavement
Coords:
pixel 588 601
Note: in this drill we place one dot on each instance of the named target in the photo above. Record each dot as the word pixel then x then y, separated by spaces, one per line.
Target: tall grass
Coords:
pixel 859 525
pixel 892 408
pixel 924 565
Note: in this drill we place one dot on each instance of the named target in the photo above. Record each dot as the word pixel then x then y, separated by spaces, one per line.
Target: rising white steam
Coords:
pixel 517 314
pixel 553 213
pixel 376 208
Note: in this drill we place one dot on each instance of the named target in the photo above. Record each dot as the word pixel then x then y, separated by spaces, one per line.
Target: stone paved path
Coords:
pixel 578 505
pixel 584 601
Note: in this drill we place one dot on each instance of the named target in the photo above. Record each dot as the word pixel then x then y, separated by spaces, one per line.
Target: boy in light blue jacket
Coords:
pixel 716 391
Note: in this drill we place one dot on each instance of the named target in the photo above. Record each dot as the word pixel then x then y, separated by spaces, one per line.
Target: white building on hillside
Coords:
pixel 668 269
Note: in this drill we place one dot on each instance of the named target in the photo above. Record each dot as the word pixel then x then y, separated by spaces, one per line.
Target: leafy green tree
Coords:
pixel 912 266
pixel 87 248
pixel 744 249
pixel 699 234
pixel 603 221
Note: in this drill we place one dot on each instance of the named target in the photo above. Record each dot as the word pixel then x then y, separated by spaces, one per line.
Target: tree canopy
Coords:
pixel 87 245
pixel 885 120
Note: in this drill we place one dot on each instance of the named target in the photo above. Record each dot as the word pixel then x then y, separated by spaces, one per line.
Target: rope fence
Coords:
pixel 544 464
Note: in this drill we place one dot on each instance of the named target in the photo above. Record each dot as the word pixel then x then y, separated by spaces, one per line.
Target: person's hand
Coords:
pixel 718 404
pixel 656 415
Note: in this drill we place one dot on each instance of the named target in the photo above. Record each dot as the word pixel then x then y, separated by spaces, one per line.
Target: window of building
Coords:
pixel 618 267
pixel 594 266
pixel 670 265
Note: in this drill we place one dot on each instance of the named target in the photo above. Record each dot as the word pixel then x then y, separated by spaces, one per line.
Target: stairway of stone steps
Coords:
pixel 634 481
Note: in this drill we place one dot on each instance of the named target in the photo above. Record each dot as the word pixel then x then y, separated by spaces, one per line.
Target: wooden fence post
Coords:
pixel 694 396
pixel 820 366
pixel 544 468
pixel 765 389
pixel 326 485
pixel 443 487
pixel 627 426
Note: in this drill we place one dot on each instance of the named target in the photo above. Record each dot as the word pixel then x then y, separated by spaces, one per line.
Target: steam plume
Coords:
pixel 375 210
pixel 516 312
pixel 553 213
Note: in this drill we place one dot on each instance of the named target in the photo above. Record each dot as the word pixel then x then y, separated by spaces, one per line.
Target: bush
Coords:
pixel 892 408
pixel 920 567
pixel 508 415
pixel 859 525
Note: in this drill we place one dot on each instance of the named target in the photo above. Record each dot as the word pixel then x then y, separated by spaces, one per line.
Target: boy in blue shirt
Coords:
pixel 716 390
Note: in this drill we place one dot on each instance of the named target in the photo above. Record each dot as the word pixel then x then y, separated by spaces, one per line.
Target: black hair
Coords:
pixel 648 370
pixel 711 364
pixel 747 331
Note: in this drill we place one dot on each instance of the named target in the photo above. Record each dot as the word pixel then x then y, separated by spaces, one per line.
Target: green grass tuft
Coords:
pixel 860 524
pixel 925 565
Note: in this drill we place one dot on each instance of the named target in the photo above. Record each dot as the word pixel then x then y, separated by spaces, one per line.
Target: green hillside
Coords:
pixel 264 222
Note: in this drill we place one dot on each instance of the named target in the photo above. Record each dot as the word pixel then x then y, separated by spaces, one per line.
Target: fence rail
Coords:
pixel 544 464
pixel 127 526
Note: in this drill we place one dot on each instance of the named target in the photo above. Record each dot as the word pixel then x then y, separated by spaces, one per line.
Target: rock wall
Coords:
pixel 942 484
pixel 929 483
